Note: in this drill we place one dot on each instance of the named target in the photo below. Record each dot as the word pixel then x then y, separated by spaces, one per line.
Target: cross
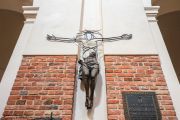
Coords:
pixel 90 41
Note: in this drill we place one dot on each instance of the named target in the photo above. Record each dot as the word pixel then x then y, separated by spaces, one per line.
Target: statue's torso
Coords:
pixel 91 62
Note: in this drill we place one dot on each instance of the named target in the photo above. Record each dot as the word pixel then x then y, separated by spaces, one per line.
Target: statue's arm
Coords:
pixel 80 61
pixel 122 37
pixel 53 38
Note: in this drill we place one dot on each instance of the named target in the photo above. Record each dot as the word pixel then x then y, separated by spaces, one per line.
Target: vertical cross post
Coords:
pixel 91 19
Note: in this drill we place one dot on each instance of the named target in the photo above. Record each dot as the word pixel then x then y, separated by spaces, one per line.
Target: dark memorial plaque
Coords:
pixel 141 106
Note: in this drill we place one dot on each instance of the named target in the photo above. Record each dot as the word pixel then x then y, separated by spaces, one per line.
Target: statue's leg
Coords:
pixel 94 73
pixel 85 78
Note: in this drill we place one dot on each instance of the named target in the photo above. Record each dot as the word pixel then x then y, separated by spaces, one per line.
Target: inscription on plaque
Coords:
pixel 141 106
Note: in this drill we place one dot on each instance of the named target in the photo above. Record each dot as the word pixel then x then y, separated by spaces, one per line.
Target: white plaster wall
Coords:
pixel 122 17
pixel 37 2
pixel 92 17
pixel 167 67
pixel 13 66
pixel 58 17
pixel 147 2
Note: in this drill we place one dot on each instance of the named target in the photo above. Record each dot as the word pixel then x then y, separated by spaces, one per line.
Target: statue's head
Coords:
pixel 88 35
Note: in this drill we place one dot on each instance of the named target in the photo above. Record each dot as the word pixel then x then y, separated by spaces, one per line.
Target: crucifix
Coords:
pixel 88 40
pixel 90 93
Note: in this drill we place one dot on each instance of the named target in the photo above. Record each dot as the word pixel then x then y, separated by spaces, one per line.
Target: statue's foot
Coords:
pixel 91 104
pixel 88 103
pixel 89 107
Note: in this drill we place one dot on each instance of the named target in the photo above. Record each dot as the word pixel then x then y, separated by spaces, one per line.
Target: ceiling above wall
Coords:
pixel 155 2
pixel 168 20
pixel 170 28
pixel 167 6
pixel 15 5
pixel 11 24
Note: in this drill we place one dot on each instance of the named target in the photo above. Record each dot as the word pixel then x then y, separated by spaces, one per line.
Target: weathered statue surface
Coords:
pixel 88 72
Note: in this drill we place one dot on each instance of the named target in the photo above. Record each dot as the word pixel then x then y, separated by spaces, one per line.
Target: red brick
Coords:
pixel 17 88
pixel 14 98
pixel 110 74
pixel 169 107
pixel 112 101
pixel 67 107
pixel 109 78
pixel 137 79
pixel 69 92
pixel 149 71
pixel 33 88
pixel 109 70
pixel 11 102
pixel 29 102
pixel 117 71
pixel 21 102
pixel 125 67
pixel 67 112
pixel 41 78
pixel 113 117
pixel 33 92
pixel 32 107
pixel 166 102
pixel 125 75
pixel 55 92
pixel 128 79
pixel 68 88
pixel 8 113
pixel 18 113
pixel 58 102
pixel 112 106
pixel 68 117
pixel 135 73
pixel 114 112
pixel 28 113
pixel 168 113
pixel 110 60
pixel 31 97
pixel 39 113
pixel 153 88
pixel 166 97
pixel 140 71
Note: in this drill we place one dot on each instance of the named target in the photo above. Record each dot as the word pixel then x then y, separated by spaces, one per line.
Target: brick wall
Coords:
pixel 44 84
pixel 135 73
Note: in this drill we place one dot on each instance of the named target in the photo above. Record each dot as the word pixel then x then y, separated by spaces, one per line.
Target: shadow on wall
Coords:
pixel 170 28
pixel 11 24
